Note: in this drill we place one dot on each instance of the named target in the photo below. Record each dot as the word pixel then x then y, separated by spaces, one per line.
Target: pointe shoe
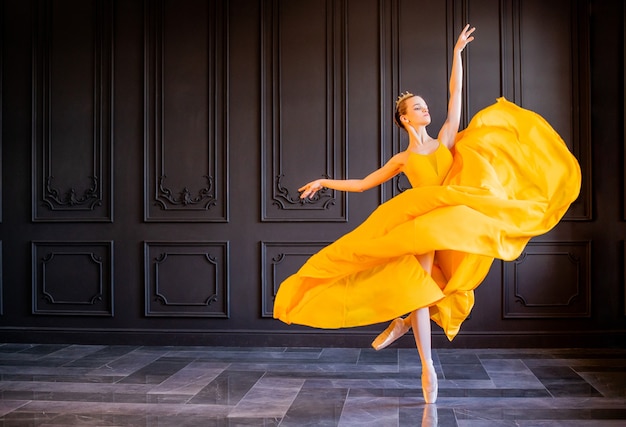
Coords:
pixel 430 386
pixel 395 330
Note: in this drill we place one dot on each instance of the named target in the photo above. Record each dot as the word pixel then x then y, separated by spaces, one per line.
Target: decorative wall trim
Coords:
pixel 279 196
pixel 72 117
pixel 387 46
pixel 72 278
pixel 1 127
pixel 186 279
pixel 1 279
pixel 173 193
pixel 300 337
pixel 549 280
pixel 400 182
pixel 452 13
pixel 514 81
pixel 581 209
pixel 279 260
pixel 624 129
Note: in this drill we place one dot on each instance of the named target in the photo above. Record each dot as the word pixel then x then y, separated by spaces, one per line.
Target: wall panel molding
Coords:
pixel 72 278
pixel 72 111
pixel 549 280
pixel 186 279
pixel 1 102
pixel 624 127
pixel 417 64
pixel 185 108
pixel 546 68
pixel 280 260
pixel 1 281
pixel 303 108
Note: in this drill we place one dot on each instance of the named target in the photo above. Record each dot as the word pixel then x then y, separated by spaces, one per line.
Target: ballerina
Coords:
pixel 425 161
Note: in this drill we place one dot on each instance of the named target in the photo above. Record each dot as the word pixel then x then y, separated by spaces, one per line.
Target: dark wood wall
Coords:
pixel 152 152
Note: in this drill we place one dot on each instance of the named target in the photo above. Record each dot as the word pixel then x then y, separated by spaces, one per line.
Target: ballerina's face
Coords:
pixel 416 112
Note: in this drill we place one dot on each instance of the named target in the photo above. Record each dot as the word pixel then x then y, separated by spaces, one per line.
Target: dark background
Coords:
pixel 152 152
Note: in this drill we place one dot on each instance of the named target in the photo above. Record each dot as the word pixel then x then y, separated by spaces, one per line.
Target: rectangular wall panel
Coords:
pixel 1 98
pixel 368 123
pixel 419 65
pixel 303 108
pixel 186 279
pixel 72 278
pixel 1 281
pixel 549 280
pixel 624 129
pixel 186 89
pixel 546 49
pixel 483 60
pixel 72 111
pixel 280 260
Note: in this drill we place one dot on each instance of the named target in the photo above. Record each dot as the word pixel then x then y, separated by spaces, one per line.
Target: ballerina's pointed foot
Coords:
pixel 430 386
pixel 395 330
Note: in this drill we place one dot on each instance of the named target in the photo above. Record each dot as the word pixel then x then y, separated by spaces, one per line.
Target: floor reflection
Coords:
pixel 66 385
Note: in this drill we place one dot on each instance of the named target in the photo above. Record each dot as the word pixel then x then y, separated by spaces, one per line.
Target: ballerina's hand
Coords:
pixel 464 38
pixel 311 188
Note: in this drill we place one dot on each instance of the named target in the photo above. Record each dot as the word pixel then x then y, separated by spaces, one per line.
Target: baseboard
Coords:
pixel 309 338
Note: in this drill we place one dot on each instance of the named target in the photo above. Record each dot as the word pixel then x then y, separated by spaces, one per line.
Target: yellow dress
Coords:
pixel 511 178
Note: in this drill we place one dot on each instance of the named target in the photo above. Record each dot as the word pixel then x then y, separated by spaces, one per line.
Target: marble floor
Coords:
pixel 93 385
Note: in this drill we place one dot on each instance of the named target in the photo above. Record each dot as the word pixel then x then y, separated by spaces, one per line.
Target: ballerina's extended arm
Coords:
pixel 450 128
pixel 388 171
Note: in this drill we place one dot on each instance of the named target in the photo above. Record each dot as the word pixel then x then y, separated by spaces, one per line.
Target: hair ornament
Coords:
pixel 402 97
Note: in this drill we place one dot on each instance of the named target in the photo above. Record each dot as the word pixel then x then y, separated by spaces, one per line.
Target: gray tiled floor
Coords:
pixel 66 385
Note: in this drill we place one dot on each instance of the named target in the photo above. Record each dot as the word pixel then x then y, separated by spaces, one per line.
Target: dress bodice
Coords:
pixel 428 169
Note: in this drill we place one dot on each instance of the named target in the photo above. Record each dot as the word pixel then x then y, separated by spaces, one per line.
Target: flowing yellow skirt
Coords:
pixel 512 178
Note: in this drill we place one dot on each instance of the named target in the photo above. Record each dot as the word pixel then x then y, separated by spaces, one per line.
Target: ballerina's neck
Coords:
pixel 423 147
